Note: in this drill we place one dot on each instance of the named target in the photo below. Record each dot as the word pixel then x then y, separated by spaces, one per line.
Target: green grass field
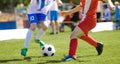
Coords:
pixel 86 54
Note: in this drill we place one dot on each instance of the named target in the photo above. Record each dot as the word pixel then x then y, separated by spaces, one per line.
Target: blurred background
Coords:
pixel 13 13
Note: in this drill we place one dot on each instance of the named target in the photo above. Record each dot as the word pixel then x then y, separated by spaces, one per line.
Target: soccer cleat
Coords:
pixel 68 58
pixel 23 51
pixel 99 48
pixel 57 32
pixel 52 33
pixel 61 30
pixel 40 42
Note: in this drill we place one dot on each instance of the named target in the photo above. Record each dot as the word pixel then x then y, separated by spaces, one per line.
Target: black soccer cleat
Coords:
pixel 99 48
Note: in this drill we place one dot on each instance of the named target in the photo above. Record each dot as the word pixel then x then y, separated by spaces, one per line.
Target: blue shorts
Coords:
pixel 36 18
pixel 53 15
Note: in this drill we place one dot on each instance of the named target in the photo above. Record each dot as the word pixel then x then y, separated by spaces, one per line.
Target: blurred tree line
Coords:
pixel 6 5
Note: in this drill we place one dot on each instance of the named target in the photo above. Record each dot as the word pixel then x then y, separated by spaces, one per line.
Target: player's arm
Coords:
pixel 110 4
pixel 48 6
pixel 69 12
pixel 59 2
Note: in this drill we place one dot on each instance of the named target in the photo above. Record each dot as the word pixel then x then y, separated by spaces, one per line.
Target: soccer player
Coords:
pixel 87 23
pixel 37 16
pixel 53 16
pixel 117 14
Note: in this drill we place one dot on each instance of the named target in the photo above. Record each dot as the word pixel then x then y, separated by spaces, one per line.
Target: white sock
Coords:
pixel 41 32
pixel 28 38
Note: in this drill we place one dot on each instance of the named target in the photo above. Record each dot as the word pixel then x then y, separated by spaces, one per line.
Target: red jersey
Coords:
pixel 88 21
pixel 89 7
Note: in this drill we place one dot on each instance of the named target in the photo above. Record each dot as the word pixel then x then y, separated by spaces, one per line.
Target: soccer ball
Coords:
pixel 48 50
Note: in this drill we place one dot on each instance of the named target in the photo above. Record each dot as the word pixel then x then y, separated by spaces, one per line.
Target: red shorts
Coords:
pixel 87 24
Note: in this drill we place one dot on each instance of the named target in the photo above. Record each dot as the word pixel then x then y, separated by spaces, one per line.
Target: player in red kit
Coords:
pixel 87 23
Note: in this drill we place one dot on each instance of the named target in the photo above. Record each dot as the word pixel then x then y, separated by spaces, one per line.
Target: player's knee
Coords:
pixel 33 28
pixel 73 36
pixel 45 28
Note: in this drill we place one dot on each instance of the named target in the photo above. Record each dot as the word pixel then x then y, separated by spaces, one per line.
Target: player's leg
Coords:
pixel 28 38
pixel 79 31
pixel 73 43
pixel 33 23
pixel 52 19
pixel 89 40
pixel 42 29
pixel 56 22
pixel 44 25
pixel 93 42
pixel 86 27
pixel 38 37
pixel 41 33
pixel 61 28
pixel 57 27
pixel 52 27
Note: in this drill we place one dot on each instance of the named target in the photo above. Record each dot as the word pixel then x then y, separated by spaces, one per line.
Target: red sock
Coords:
pixel 89 39
pixel 73 47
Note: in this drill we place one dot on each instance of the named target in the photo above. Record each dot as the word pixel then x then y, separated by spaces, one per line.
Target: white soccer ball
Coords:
pixel 48 50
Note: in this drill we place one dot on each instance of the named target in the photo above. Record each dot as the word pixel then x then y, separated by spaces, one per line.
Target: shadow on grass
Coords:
pixel 35 56
pixel 86 56
pixel 60 61
pixel 51 61
pixel 9 60
pixel 25 58
pixel 29 57
pixel 48 61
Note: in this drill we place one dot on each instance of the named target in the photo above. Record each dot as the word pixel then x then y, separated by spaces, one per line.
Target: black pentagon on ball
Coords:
pixel 52 54
pixel 43 48
pixel 45 54
pixel 49 49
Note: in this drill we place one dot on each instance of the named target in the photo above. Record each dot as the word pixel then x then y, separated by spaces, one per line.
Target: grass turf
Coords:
pixel 86 54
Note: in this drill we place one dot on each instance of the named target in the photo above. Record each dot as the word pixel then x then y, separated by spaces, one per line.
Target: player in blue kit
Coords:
pixel 37 18
pixel 53 16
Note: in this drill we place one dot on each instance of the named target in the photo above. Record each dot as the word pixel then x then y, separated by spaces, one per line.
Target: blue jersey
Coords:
pixel 55 5
pixel 117 12
pixel 39 6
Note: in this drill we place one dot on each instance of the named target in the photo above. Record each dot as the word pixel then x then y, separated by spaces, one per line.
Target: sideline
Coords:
pixel 104 26
pixel 21 33
pixel 13 34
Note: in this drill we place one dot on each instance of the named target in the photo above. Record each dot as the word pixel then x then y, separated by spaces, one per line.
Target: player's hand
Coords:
pixel 65 13
pixel 112 8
